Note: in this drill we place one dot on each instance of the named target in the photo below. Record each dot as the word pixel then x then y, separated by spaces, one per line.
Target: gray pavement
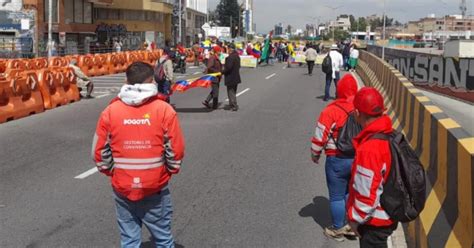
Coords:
pixel 247 179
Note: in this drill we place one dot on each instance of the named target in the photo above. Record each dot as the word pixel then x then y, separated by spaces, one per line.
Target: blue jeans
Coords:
pixel 165 89
pixel 328 84
pixel 346 62
pixel 154 211
pixel 338 174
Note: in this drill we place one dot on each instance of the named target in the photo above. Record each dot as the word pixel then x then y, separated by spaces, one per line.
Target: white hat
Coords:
pixel 334 47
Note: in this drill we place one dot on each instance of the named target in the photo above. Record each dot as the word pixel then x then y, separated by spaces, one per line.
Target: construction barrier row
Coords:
pixel 31 86
pixel 445 149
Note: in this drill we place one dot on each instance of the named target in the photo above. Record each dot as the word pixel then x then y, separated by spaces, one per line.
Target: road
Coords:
pixel 247 179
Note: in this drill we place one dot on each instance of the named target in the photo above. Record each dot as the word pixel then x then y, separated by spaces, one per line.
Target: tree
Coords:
pixel 228 12
pixel 339 34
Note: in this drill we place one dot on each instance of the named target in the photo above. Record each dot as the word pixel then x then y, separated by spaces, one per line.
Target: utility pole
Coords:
pixel 231 28
pixel 383 34
pixel 50 29
pixel 179 22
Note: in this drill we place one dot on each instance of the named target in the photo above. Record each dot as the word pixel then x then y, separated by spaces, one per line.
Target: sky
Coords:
pixel 298 13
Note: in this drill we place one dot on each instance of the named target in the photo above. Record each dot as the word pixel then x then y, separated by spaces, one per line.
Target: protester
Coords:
pixel 196 52
pixel 311 55
pixel 370 170
pixel 117 46
pixel 139 144
pixel 232 76
pixel 346 51
pixel 338 166
pixel 337 63
pixel 82 80
pixel 354 58
pixel 291 53
pixel 213 66
pixel 164 86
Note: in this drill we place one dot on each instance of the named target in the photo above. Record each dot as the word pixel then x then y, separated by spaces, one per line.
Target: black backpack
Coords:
pixel 349 131
pixel 404 192
pixel 326 66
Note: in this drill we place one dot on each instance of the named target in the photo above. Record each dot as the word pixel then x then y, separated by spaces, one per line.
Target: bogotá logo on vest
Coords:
pixel 144 121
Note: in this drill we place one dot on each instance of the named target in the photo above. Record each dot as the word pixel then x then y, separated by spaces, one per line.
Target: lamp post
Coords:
pixel 50 29
pixel 383 32
pixel 334 13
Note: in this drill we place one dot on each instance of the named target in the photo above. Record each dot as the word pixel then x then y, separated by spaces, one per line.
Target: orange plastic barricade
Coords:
pixel 123 62
pixel 86 63
pixel 51 89
pixel 59 62
pixel 67 80
pixel 20 97
pixel 3 65
pixel 113 63
pixel 15 64
pixel 40 63
pixel 100 65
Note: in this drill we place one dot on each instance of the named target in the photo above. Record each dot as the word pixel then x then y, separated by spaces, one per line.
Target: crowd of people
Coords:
pixel 140 123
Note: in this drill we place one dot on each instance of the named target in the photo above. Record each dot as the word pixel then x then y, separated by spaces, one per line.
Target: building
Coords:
pixel 432 27
pixel 342 22
pixel 248 24
pixel 134 21
pixel 278 29
pixel 194 21
pixel 17 29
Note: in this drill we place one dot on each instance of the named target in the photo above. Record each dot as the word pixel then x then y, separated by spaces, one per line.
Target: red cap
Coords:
pixel 216 49
pixel 369 101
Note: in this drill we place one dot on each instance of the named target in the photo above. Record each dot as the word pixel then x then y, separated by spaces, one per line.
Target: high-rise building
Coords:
pixel 196 15
pixel 278 29
pixel 248 17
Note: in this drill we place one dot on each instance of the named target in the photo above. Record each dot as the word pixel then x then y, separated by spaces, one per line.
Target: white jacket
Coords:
pixel 337 62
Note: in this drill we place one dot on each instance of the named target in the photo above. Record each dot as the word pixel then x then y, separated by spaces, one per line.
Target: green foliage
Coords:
pixel 227 10
pixel 339 34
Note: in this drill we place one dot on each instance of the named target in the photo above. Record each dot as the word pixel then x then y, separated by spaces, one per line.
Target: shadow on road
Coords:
pixel 318 210
pixel 151 244
pixel 193 110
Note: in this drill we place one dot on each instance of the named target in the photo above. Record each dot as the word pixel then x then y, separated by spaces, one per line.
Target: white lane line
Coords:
pixel 104 87
pixel 104 95
pixel 87 173
pixel 240 93
pixel 270 76
pixel 196 73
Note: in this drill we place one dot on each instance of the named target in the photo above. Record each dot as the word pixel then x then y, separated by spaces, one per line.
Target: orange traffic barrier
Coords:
pixel 86 63
pixel 40 63
pixel 3 65
pixel 67 80
pixel 59 62
pixel 100 65
pixel 20 97
pixel 51 89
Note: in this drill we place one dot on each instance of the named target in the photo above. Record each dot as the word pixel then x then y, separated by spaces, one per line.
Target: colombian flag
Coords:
pixel 203 82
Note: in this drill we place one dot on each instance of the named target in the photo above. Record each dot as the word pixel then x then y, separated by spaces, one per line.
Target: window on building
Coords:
pixel 87 12
pixel 68 11
pixel 113 14
pixel 54 12
pixel 78 11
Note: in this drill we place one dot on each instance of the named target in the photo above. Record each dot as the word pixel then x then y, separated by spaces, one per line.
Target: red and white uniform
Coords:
pixel 369 172
pixel 333 118
pixel 138 142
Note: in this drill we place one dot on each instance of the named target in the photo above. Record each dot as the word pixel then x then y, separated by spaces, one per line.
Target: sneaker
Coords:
pixel 348 233
pixel 206 104
pixel 336 234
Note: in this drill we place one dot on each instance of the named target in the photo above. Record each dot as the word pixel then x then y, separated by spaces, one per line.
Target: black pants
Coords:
pixel 375 237
pixel 231 93
pixel 214 95
pixel 310 67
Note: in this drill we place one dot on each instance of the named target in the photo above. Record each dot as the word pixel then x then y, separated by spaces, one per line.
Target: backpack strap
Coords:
pixel 380 136
pixel 348 113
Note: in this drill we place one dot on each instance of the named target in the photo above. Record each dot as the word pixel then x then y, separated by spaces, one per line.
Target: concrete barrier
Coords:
pixel 446 151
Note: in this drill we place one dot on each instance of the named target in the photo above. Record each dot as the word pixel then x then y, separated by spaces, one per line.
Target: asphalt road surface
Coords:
pixel 247 178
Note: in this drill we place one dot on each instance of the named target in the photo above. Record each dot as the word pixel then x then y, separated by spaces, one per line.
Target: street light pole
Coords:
pixel 383 34
pixel 50 29
pixel 179 22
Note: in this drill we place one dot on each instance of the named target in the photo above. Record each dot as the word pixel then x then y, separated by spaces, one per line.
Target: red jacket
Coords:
pixel 369 172
pixel 333 118
pixel 140 147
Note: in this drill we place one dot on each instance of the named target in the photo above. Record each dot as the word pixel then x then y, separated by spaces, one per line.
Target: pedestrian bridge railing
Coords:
pixel 445 149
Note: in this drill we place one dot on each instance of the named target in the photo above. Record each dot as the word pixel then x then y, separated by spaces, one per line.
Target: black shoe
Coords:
pixel 235 109
pixel 206 104
pixel 89 97
pixel 325 99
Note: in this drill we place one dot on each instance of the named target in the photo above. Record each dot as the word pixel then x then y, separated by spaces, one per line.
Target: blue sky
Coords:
pixel 300 12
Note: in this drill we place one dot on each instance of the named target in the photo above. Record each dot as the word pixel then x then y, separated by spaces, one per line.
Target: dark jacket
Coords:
pixel 232 69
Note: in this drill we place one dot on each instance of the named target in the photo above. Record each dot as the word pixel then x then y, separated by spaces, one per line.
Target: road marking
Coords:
pixel 106 87
pixel 87 173
pixel 104 95
pixel 196 73
pixel 284 67
pixel 240 93
pixel 270 76
pixel 193 67
pixel 180 76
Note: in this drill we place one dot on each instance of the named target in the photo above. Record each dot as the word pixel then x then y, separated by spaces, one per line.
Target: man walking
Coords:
pixel 370 170
pixel 232 76
pixel 164 86
pixel 214 66
pixel 139 144
pixel 337 63
pixel 311 55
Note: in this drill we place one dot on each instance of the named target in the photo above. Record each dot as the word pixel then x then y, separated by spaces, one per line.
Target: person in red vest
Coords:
pixel 370 170
pixel 138 143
